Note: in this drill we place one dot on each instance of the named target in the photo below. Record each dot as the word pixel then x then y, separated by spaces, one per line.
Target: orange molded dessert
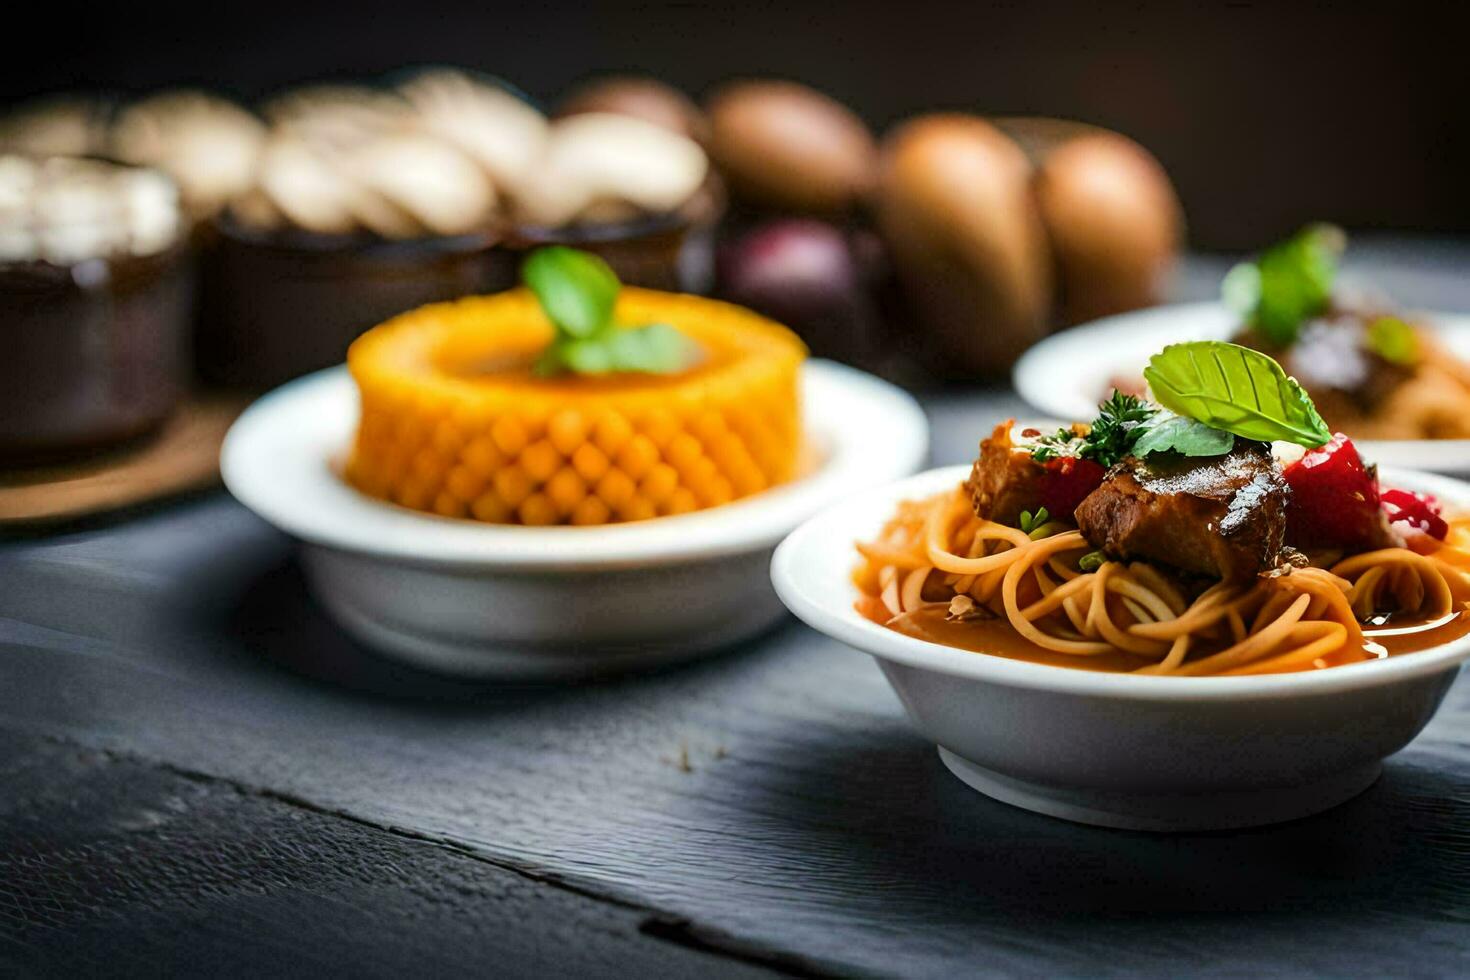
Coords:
pixel 456 421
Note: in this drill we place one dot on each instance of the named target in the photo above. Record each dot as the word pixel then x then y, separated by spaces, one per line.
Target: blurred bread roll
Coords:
pixel 956 208
pixel 1111 214
pixel 788 147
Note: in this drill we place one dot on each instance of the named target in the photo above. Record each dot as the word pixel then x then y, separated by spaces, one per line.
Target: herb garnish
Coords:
pixel 1290 283
pixel 1091 561
pixel 1393 340
pixel 1111 437
pixel 1129 426
pixel 578 292
pixel 1030 521
pixel 1167 432
pixel 1235 389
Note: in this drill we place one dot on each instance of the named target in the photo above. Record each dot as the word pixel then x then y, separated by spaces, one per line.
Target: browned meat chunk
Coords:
pixel 1224 516
pixel 1005 480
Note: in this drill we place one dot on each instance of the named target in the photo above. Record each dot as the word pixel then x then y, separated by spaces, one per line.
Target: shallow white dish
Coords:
pixel 510 602
pixel 1124 750
pixel 1068 373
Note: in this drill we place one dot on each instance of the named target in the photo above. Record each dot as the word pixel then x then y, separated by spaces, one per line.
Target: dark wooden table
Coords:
pixel 199 774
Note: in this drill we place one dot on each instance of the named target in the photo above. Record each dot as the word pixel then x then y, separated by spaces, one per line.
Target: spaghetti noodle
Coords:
pixel 935 562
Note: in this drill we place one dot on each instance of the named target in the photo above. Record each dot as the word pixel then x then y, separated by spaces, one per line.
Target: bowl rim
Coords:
pixel 795 583
pixel 277 461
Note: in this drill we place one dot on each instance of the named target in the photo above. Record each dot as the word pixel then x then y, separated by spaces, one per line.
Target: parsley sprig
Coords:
pixel 1129 426
pixel 578 291
pixel 1111 437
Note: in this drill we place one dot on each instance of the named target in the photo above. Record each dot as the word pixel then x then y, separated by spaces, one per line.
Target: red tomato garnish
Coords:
pixel 1067 480
pixel 1417 511
pixel 1334 499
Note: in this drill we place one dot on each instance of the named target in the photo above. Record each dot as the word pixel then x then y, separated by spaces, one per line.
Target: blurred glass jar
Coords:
pixel 95 287
pixel 279 304
pixel 673 251
pixel 356 214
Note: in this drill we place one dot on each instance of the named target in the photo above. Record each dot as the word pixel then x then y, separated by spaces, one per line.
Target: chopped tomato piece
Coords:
pixel 1416 512
pixel 1066 481
pixel 1334 499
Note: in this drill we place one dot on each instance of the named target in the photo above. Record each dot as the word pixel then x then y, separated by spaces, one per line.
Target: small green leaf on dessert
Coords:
pixel 1394 340
pixel 1235 389
pixel 579 356
pixel 577 292
pixel 655 349
pixel 591 356
pixel 576 289
pixel 1167 432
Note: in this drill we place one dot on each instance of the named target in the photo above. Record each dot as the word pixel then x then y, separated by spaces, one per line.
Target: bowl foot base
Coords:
pixel 1223 810
pixel 484 659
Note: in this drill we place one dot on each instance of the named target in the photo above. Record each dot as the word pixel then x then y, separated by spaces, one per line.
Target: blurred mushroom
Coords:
pixel 502 132
pixel 1111 213
pixel 600 166
pixel 208 144
pixel 956 208
pixel 642 98
pixel 788 147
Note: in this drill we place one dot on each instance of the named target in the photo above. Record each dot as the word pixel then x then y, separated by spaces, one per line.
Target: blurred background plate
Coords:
pixel 1068 373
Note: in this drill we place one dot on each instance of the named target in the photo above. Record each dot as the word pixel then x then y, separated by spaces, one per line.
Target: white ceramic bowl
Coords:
pixel 509 602
pixel 1124 750
pixel 1068 373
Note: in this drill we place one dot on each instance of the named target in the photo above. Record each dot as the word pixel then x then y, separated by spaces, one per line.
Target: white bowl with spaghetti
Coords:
pixel 510 602
pixel 1126 750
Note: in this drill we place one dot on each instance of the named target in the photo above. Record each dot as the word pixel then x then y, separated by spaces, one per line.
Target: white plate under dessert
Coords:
pixel 526 603
pixel 1068 373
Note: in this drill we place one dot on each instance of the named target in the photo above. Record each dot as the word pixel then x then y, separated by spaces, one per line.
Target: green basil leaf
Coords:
pixel 1167 432
pixel 1236 389
pixel 655 349
pixel 590 356
pixel 576 289
pixel 1394 340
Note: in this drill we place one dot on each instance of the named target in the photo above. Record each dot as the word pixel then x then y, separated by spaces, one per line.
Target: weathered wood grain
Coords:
pixel 774 797
pixel 117 868
pixel 808 821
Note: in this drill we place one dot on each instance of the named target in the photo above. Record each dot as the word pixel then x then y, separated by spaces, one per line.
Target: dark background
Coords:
pixel 1267 115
